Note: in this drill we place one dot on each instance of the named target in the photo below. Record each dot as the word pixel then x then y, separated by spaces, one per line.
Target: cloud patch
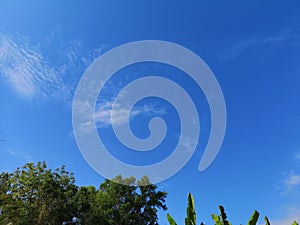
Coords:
pixel 291 182
pixel 26 70
pixel 292 215
pixel 104 111
pixel 297 156
pixel 45 69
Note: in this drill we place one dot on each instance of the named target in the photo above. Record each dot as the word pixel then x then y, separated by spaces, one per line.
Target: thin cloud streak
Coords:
pixel 238 47
pixel 17 154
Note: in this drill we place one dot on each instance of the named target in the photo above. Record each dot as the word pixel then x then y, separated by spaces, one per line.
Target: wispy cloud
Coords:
pixel 238 46
pixel 290 216
pixel 32 72
pixel 288 185
pixel 25 68
pixel 186 142
pixel 291 182
pixel 105 110
pixel 104 113
pixel 17 154
pixel 297 156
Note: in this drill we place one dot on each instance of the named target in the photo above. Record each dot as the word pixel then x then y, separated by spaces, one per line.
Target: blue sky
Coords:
pixel 253 49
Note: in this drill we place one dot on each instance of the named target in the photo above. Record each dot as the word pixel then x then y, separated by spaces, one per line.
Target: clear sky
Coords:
pixel 252 47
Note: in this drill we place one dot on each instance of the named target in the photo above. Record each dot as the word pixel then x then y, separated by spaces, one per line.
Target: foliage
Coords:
pixel 267 220
pixel 34 194
pixel 218 219
pixel 4 220
pixel 190 213
pixel 171 220
pixel 222 219
pixel 120 201
pixel 254 218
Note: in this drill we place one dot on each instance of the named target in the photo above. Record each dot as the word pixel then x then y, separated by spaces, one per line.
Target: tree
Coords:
pixel 120 201
pixel 36 195
pixel 85 201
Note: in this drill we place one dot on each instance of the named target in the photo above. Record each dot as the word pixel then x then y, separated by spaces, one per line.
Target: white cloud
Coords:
pixel 291 216
pixel 291 182
pixel 17 154
pixel 25 68
pixel 105 110
pixel 238 46
pixel 297 156
pixel 31 74
pixel 187 142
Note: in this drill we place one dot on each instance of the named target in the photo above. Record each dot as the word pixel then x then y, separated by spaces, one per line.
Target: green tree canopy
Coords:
pixel 121 201
pixel 35 194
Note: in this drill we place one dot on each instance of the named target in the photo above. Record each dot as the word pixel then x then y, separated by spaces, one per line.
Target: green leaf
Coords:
pixel 267 220
pixel 190 211
pixel 171 220
pixel 223 216
pixel 254 218
pixel 215 218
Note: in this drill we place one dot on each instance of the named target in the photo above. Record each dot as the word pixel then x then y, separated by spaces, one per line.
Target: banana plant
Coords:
pixel 253 219
pixel 267 221
pixel 219 220
pixel 171 220
pixel 222 219
pixel 190 218
pixel 190 211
